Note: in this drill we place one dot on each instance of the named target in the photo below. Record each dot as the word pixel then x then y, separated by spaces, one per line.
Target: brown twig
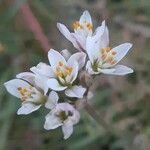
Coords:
pixel 34 26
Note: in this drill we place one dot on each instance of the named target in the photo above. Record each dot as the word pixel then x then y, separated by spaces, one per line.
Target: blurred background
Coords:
pixel 28 30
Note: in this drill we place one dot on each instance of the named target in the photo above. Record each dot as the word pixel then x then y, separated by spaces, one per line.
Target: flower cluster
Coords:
pixel 57 86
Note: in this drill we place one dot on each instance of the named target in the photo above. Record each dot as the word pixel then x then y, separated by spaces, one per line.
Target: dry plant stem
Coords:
pixel 91 111
pixel 34 26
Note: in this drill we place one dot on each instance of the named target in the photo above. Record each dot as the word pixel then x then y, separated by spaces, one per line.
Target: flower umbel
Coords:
pixel 70 75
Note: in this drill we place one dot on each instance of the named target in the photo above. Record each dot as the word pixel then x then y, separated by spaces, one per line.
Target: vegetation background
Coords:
pixel 124 102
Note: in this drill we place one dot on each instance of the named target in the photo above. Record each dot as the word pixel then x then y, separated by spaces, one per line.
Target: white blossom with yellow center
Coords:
pixel 82 29
pixel 65 73
pixel 63 115
pixel 32 98
pixel 102 58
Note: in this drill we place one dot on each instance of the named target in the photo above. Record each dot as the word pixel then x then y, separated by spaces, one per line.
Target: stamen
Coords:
pixel 108 49
pixel 60 63
pixel 104 57
pixel 109 59
pixel 113 62
pixel 102 50
pixel 77 25
pixel 89 26
pixel 25 92
pixel 114 52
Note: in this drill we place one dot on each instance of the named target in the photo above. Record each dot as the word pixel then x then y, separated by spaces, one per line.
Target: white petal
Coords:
pixel 104 40
pixel 93 49
pixel 52 122
pixel 52 100
pixel 90 69
pixel 12 86
pixel 72 63
pixel 121 70
pixel 66 54
pixel 75 91
pixel 79 58
pixel 67 129
pixel 54 85
pixel 43 69
pixel 63 29
pixel 27 76
pixel 27 108
pixel 99 31
pixel 107 71
pixel 54 58
pixel 41 82
pixel 121 51
pixel 80 38
pixel 85 17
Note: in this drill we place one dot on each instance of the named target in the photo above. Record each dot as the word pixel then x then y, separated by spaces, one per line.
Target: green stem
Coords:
pixel 100 120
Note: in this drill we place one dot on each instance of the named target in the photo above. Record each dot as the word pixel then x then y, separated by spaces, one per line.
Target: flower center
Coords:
pixel 108 55
pixel 63 115
pixel 25 92
pixel 77 25
pixel 62 71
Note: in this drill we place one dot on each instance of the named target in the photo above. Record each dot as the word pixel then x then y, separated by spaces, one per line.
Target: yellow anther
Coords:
pixel 68 70
pixel 114 52
pixel 60 64
pixel 102 50
pixel 89 26
pixel 108 49
pixel 77 25
pixel 59 74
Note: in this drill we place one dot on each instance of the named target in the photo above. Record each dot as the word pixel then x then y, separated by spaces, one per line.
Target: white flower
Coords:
pixel 32 98
pixel 102 58
pixel 82 29
pixel 64 115
pixel 65 73
pixel 39 76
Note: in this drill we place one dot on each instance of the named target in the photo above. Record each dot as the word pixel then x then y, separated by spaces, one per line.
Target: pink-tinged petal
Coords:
pixel 67 129
pixel 80 39
pixel 121 51
pixel 75 91
pixel 12 86
pixel 52 100
pixel 93 49
pixel 43 69
pixel 79 57
pixel 54 85
pixel 52 121
pixel 99 31
pixel 63 29
pixel 120 70
pixel 27 76
pixel 54 58
pixel 27 108
pixel 66 54
pixel 104 40
pixel 85 17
